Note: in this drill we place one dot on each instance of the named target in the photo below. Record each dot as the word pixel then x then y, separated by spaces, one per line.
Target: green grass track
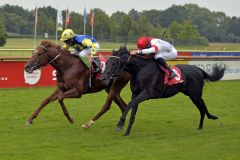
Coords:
pixel 165 129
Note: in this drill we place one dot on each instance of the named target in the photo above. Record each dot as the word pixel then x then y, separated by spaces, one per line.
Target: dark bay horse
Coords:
pixel 72 80
pixel 148 83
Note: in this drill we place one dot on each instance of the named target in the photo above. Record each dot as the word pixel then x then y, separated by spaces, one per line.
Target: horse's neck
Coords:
pixel 64 62
pixel 136 64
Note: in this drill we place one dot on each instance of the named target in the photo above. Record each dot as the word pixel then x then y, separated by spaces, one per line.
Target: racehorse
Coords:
pixel 72 80
pixel 148 83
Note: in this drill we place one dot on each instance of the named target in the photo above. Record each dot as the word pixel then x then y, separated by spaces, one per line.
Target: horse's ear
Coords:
pixel 114 53
pixel 59 47
pixel 124 49
pixel 121 48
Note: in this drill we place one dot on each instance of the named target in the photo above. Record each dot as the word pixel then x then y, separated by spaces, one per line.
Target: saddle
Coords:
pixel 97 67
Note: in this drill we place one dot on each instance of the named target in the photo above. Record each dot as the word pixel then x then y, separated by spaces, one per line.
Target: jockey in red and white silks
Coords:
pixel 162 50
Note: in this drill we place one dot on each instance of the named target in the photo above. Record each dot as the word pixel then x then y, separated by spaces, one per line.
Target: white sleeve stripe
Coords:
pixel 149 50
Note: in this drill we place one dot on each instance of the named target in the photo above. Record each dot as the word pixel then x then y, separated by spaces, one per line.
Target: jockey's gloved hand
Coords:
pixel 93 49
pixel 75 52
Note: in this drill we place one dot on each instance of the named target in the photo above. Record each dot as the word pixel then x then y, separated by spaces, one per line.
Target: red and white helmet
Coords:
pixel 143 42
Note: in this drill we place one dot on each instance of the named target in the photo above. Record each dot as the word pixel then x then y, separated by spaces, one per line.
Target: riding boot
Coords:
pixel 163 63
pixel 96 63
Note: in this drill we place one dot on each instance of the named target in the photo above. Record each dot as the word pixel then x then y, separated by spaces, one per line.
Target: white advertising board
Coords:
pixel 232 71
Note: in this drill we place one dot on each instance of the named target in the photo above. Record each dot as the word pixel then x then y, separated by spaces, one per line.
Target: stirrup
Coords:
pixel 97 70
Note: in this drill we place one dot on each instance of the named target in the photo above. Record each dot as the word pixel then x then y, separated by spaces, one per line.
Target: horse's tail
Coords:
pixel 217 73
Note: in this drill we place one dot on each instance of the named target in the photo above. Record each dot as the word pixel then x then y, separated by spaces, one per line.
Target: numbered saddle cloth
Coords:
pixel 175 80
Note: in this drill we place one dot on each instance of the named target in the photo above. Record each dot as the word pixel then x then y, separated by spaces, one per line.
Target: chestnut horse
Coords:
pixel 72 80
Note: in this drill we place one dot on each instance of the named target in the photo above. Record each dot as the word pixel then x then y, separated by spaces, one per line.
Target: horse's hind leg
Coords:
pixel 198 103
pixel 113 94
pixel 65 112
pixel 46 101
pixel 210 116
pixel 103 110
pixel 107 105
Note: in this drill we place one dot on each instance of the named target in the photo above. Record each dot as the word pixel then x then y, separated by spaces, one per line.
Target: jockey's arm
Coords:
pixel 147 51
pixel 88 43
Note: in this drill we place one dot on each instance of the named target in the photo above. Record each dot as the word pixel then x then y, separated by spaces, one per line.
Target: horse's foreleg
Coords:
pixel 73 93
pixel 134 105
pixel 124 114
pixel 48 100
pixel 132 118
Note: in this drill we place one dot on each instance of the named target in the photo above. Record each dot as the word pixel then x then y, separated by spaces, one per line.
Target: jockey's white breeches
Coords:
pixel 87 51
pixel 172 54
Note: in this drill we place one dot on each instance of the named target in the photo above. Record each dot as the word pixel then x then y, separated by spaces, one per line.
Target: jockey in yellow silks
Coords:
pixel 84 45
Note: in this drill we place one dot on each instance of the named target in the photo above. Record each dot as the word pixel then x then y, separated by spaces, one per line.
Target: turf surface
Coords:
pixel 165 129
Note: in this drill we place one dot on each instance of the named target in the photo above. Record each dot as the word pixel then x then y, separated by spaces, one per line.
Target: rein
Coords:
pixel 116 75
pixel 53 58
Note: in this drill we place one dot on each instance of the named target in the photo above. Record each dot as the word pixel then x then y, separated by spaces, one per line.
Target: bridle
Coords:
pixel 117 74
pixel 46 50
pixel 119 61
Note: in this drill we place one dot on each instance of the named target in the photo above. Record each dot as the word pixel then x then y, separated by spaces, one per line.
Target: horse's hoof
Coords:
pixel 85 126
pixel 214 117
pixel 71 121
pixel 118 128
pixel 126 134
pixel 88 124
pixel 28 123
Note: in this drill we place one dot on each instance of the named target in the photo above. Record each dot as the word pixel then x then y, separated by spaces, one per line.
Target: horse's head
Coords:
pixel 43 55
pixel 115 64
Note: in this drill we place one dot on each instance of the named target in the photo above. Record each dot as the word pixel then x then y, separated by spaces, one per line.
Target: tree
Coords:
pixel 101 25
pixel 174 29
pixel 215 26
pixel 154 17
pixel 3 34
pixel 76 22
pixel 234 26
pixel 174 13
pixel 186 33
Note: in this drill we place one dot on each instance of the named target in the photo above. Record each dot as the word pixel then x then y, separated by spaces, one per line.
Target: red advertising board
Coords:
pixel 12 75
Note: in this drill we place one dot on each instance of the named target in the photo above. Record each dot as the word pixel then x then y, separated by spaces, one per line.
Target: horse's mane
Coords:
pixel 49 44
pixel 124 50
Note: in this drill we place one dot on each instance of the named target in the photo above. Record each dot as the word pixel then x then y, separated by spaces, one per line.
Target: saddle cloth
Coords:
pixel 175 80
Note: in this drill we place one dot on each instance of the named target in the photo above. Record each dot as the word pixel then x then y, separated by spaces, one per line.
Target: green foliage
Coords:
pixel 102 28
pixel 211 26
pixel 187 34
pixel 3 34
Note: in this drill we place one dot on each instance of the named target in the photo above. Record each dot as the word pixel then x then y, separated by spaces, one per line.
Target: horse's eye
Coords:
pixel 39 54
